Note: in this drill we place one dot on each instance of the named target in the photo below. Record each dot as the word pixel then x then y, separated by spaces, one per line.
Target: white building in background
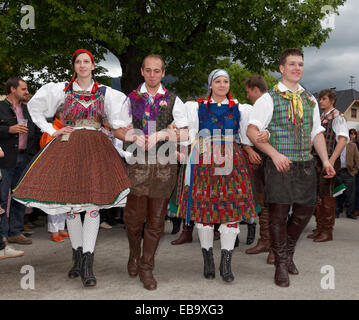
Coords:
pixel 348 104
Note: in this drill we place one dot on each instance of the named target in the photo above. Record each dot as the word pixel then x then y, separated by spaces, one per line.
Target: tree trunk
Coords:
pixel 131 70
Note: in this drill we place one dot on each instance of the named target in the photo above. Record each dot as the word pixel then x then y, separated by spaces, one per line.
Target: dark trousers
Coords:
pixel 325 187
pixel 348 197
pixel 10 177
pixel 2 243
pixel 357 192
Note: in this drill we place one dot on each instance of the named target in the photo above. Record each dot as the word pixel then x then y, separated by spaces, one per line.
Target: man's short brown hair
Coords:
pixel 256 81
pixel 156 56
pixel 289 52
pixel 330 93
pixel 12 82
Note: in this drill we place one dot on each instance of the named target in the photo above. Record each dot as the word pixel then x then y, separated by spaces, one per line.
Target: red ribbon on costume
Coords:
pixel 204 99
pixel 72 80
pixel 95 87
pixel 208 100
pixel 232 225
pixel 231 102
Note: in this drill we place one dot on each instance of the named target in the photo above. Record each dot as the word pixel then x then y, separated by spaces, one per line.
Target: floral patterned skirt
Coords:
pixel 218 198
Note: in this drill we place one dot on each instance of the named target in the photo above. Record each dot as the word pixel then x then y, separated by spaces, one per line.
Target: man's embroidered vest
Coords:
pixel 329 134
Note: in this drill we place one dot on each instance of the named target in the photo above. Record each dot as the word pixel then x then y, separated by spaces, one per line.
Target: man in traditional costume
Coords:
pixel 336 137
pixel 152 108
pixel 291 115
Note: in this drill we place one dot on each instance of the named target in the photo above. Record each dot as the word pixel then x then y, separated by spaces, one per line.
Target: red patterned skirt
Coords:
pixel 213 198
pixel 84 173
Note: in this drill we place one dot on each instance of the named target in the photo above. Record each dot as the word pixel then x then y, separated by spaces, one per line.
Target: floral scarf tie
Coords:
pixel 296 103
pixel 148 108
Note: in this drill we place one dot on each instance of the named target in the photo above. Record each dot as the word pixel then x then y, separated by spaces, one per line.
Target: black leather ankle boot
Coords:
pixel 208 270
pixel 87 276
pixel 76 259
pixel 225 266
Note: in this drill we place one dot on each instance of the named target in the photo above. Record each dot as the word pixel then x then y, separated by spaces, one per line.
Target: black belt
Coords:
pixel 21 151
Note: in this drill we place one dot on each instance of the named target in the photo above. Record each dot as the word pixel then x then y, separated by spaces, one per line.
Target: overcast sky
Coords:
pixel 338 58
pixel 330 66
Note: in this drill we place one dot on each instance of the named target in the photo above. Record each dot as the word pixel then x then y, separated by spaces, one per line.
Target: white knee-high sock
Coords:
pixel 74 226
pixel 205 234
pixel 90 230
pixel 229 232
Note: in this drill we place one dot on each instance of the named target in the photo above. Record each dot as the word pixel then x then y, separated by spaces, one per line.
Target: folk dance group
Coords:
pixel 80 169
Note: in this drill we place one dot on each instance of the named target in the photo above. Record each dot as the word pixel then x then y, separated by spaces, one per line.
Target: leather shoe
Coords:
pixel 352 216
pixel 186 235
pixel 64 234
pixel 281 277
pixel 57 238
pixel 149 282
pixel 19 239
pixel 292 269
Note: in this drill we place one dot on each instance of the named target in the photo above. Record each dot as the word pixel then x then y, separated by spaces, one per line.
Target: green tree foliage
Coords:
pixel 239 74
pixel 192 35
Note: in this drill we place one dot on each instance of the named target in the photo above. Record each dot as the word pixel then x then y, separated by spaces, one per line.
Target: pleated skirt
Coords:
pixel 84 173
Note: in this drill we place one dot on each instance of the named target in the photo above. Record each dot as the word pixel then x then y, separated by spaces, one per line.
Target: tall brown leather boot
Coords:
pixel 270 257
pixel 278 214
pixel 186 235
pixel 300 218
pixel 157 210
pixel 328 220
pixel 263 244
pixel 134 217
pixel 318 219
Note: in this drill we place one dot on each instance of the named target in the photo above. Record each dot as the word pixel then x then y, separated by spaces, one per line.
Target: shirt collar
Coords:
pixel 76 86
pixel 144 89
pixel 225 101
pixel 329 111
pixel 283 88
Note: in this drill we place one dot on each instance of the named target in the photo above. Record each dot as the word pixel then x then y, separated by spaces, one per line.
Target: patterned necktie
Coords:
pixel 147 114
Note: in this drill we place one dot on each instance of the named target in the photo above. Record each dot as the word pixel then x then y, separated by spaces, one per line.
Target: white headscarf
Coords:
pixel 215 74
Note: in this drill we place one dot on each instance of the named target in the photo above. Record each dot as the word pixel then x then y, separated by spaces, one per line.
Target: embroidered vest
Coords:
pixel 222 117
pixel 162 115
pixel 329 134
pixel 85 105
pixel 292 140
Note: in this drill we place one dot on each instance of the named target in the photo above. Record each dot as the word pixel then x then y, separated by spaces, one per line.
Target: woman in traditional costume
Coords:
pixel 216 189
pixel 79 170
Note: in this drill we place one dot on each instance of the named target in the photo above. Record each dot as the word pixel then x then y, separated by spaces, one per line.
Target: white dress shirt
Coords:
pixel 340 127
pixel 262 112
pixel 245 110
pixel 49 97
